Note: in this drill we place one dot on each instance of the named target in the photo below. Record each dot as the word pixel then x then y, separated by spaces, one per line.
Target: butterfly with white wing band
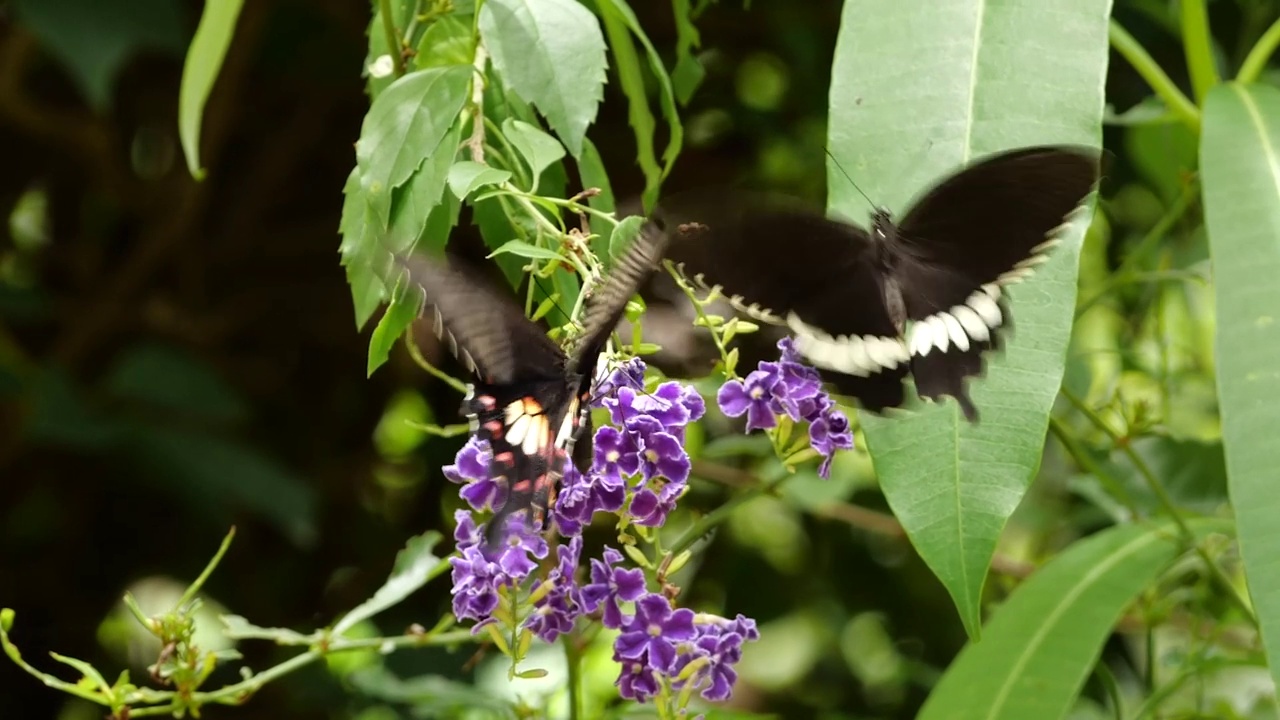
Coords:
pixel 925 296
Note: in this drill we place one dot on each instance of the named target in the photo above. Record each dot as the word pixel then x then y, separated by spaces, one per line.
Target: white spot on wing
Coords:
pixel 973 325
pixel 957 334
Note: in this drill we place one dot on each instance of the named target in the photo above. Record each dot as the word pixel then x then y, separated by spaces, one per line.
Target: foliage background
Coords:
pixel 179 356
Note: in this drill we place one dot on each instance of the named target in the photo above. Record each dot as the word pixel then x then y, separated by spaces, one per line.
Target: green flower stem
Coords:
pixel 393 36
pixel 1150 241
pixel 422 362
pixel 194 588
pixel 1199 48
pixel 1162 496
pixel 1256 61
pixel 709 521
pixel 573 658
pixel 1180 104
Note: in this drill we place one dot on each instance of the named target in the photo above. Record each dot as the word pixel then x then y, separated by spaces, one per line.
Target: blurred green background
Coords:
pixel 177 357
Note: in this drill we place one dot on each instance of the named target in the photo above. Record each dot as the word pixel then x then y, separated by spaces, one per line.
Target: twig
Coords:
pixel 476 141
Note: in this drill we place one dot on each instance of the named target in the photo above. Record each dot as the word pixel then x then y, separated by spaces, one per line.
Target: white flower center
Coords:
pixel 756 393
pixel 612 456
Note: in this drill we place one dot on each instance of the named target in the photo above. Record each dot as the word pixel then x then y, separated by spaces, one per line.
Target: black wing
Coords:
pixel 519 402
pixel 485 330
pixel 782 263
pixel 984 228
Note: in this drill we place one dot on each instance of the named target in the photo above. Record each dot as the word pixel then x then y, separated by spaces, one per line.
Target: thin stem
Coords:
pixel 1195 39
pixel 208 569
pixel 702 315
pixel 1162 497
pixel 393 37
pixel 476 141
pixel 416 354
pixel 1161 83
pixel 1256 61
pixel 573 658
pixel 1148 242
pixel 720 514
pixel 1078 453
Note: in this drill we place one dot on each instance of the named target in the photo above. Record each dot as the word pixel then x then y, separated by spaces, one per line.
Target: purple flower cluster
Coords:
pixel 792 388
pixel 646 439
pixel 639 468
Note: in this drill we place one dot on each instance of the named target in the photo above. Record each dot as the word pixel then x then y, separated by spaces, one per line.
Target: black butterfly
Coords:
pixel 923 295
pixel 530 399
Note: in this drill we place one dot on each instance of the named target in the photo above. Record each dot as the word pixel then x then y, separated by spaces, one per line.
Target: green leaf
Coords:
pixel 617 15
pixel 1000 75
pixel 404 308
pixel 551 53
pixel 238 628
pixel 94 40
pixel 411 205
pixel 688 73
pixel 1240 166
pixel 204 60
pixel 592 174
pixel 523 249
pixel 415 566
pixel 90 673
pixel 624 233
pixel 465 177
pixel 404 125
pixel 537 148
pixel 447 42
pixel 496 230
pixel 1042 643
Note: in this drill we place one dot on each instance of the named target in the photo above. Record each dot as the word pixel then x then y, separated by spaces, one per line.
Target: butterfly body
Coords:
pixel 924 296
pixel 529 400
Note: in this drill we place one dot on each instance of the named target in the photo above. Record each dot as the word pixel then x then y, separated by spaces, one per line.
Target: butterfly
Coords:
pixel 922 296
pixel 530 399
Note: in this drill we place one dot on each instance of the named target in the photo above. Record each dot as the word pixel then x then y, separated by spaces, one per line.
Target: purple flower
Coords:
pixel 751 396
pixel 636 681
pixel 616 454
pixel 718 645
pixel 661 454
pixel 581 497
pixel 829 432
pixel 650 508
pixel 471 469
pixel 629 374
pixel 610 584
pixel 654 631
pixel 555 612
pixel 789 354
pixel 475 585
pixel 521 541
pixel 796 384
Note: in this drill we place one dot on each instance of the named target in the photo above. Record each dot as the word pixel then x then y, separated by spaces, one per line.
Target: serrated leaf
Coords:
pixel 404 308
pixel 415 566
pixel 523 249
pixel 1240 170
pixel 448 41
pixel 404 125
pixel 537 148
pixel 466 176
pixel 411 205
pixel 1001 75
pixel 688 73
pixel 551 53
pixel 624 233
pixel 1042 643
pixel 238 628
pixel 200 70
pixel 617 15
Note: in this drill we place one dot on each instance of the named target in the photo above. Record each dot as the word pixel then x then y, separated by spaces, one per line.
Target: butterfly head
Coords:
pixel 882 227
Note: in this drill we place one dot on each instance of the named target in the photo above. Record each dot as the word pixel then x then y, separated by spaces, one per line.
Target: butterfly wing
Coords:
pixel 984 228
pixel 519 400
pixel 782 263
pixel 484 329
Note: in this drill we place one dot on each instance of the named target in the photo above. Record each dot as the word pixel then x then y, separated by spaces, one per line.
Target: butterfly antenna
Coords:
pixel 846 177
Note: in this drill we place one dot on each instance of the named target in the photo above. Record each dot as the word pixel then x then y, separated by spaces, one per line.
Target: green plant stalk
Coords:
pixel 1256 61
pixel 720 514
pixel 573 658
pixel 1199 48
pixel 1108 681
pixel 1162 496
pixel 630 77
pixel 393 37
pixel 1072 445
pixel 1180 104
pixel 208 569
pixel 422 362
pixel 1145 245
